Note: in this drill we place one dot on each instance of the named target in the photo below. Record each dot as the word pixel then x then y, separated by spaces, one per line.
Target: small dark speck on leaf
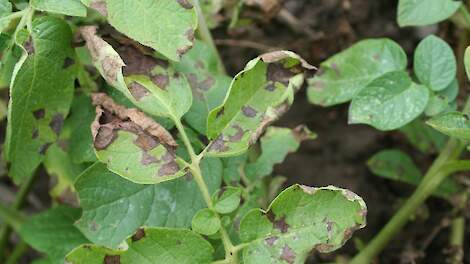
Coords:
pixel 271 240
pixel 108 259
pixel 218 144
pixel 40 113
pixel 138 91
pixel 146 142
pixel 43 148
pixel 148 159
pixel 160 80
pixel 249 111
pixel 185 4
pixel 288 255
pixel 169 168
pixel 35 134
pixel 220 112
pixel 138 235
pixel 279 224
pixel 68 62
pixel 29 46
pixel 238 135
pixel 57 123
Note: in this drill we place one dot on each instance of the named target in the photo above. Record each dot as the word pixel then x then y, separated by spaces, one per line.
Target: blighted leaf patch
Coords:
pixel 258 96
pixel 132 144
pixel 299 220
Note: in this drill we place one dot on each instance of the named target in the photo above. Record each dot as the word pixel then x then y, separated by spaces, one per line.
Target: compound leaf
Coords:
pixel 299 220
pixel 114 208
pixel 150 245
pixel 166 25
pixel 389 102
pixel 342 76
pixel 453 124
pixel 206 222
pixel 272 152
pixel 258 95
pixel 434 63
pixel 149 83
pixel 41 95
pixel 425 12
pixel 65 7
pixel 52 232
pixel 227 199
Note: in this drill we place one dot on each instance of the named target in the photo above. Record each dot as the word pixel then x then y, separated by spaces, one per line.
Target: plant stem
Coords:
pixel 457 239
pixel 20 249
pixel 206 36
pixel 230 253
pixel 19 200
pixel 465 14
pixel 438 171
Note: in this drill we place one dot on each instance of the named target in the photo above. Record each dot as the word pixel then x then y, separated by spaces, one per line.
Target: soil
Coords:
pixel 338 156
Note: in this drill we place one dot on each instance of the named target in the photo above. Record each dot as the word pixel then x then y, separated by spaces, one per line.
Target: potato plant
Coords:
pixel 158 155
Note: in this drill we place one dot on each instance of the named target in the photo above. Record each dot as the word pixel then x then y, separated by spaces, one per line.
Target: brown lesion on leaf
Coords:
pixel 110 259
pixel 287 254
pixel 189 35
pixel 238 134
pixel 137 90
pixel 56 124
pixel 220 112
pixel 199 87
pixel 40 113
pixel 271 240
pixel 185 4
pixel 249 111
pixel 35 133
pixel 160 80
pixel 139 234
pixel 29 46
pixel 43 148
pixel 218 144
pixel 100 6
pixel 68 62
pixel 268 118
pixel 111 117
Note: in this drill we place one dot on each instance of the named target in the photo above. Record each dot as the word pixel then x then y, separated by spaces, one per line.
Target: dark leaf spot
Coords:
pixel 288 255
pixel 43 148
pixel 270 86
pixel 138 235
pixel 169 168
pixel 29 46
pixel 105 136
pixel 279 224
pixel 238 135
pixel 137 90
pixel 188 177
pixel 183 50
pixel 376 57
pixel 148 159
pixel 160 80
pixel 57 123
pixel 35 134
pixel 185 4
pixel 220 112
pixel 190 34
pixel 146 142
pixel 108 259
pixel 278 73
pixel 249 111
pixel 110 66
pixel 271 240
pixel 218 144
pixel 68 62
pixel 39 114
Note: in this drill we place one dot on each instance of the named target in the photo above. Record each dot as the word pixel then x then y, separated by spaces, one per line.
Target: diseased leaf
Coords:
pixel 423 137
pixel 258 96
pixel 205 222
pixel 436 104
pixel 150 245
pixel 276 143
pixel 227 199
pixel 342 76
pixel 8 61
pixel 149 83
pixel 82 114
pixel 396 165
pixel 299 220
pixel 166 25
pixel 41 95
pixel 453 124
pixel 114 208
pixel 200 66
pixel 52 232
pixel 132 144
pixel 425 12
pixel 65 7
pixel 434 63
pixel 233 166
pixel 389 102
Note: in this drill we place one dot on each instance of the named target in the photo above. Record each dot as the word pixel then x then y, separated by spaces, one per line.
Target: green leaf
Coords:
pixel 227 199
pixel 82 114
pixel 425 12
pixel 65 7
pixel 258 96
pixel 299 220
pixel 437 104
pixel 466 61
pixel 150 245
pixel 9 59
pixel 114 208
pixel 453 124
pixel 132 144
pixel 232 168
pixel 200 66
pixel 273 153
pixel 52 232
pixel 166 25
pixel 423 137
pixel 434 63
pixel 342 76
pixel 41 95
pixel 149 83
pixel 206 222
pixel 5 10
pixel 389 102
